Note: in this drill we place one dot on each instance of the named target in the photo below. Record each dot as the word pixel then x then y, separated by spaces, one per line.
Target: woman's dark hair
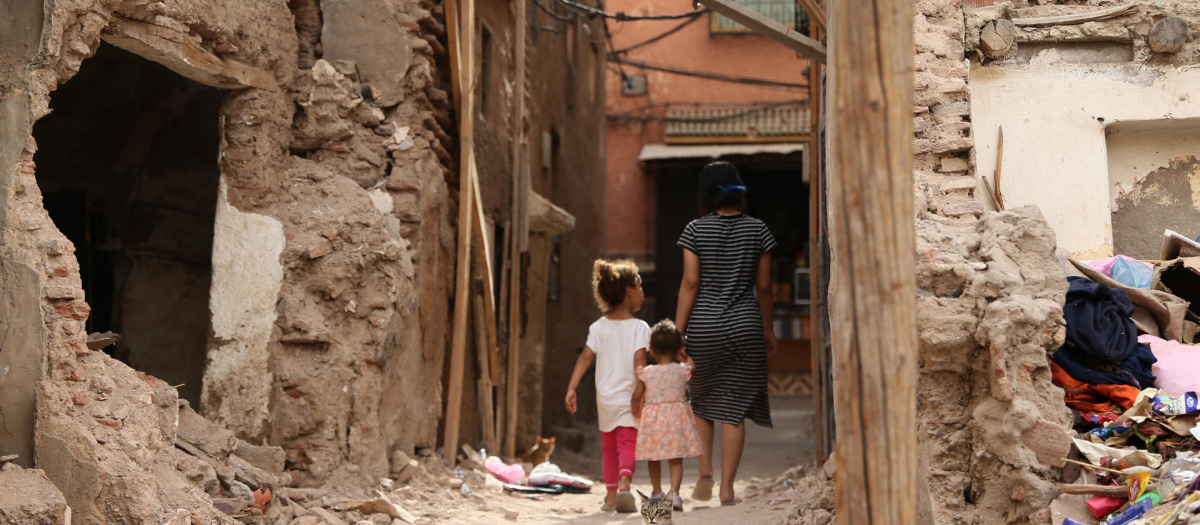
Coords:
pixel 611 280
pixel 665 339
pixel 721 186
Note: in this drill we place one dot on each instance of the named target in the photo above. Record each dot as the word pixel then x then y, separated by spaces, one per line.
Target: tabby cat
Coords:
pixel 657 511
pixel 540 451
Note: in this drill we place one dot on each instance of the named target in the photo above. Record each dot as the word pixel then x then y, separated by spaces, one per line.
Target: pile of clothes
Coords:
pixel 1130 369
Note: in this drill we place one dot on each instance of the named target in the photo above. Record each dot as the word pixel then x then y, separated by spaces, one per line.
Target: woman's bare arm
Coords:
pixel 688 288
pixel 766 302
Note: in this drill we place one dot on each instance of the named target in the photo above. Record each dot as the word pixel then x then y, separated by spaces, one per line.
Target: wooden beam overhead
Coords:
pixel 763 25
pixel 180 54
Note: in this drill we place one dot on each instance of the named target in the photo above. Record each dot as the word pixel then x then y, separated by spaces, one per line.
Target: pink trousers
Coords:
pixel 618 447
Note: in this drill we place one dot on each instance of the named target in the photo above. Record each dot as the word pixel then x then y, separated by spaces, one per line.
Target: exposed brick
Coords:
pixel 958 184
pixel 960 209
pixel 61 293
pixel 953 165
pixel 61 271
pixel 111 423
pixel 957 109
pixel 77 310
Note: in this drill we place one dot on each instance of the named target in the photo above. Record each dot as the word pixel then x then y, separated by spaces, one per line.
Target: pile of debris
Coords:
pixel 1129 371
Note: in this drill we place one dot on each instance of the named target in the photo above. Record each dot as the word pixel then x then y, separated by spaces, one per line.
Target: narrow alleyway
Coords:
pixel 769 453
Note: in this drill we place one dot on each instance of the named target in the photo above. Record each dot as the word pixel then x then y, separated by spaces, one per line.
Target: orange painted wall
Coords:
pixel 630 192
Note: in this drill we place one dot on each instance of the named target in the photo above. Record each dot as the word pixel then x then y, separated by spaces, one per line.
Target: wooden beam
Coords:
pixel 483 389
pixel 518 135
pixel 181 54
pixel 1062 20
pixel 483 249
pixel 874 331
pixel 762 25
pixel 462 66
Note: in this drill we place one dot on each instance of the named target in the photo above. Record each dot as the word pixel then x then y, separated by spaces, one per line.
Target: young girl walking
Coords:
pixel 668 428
pixel 613 342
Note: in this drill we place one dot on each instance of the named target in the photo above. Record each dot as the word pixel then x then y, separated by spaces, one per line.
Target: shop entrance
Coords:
pixel 127 164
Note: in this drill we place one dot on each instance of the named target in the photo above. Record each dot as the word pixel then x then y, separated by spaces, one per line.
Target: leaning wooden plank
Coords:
pixel 483 249
pixel 482 351
pixel 1078 18
pixel 762 25
pixel 999 164
pixel 182 55
pixel 873 314
pixel 1093 490
pixel 466 207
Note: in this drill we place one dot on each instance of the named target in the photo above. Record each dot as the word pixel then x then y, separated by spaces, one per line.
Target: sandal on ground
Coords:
pixel 658 494
pixel 605 507
pixel 703 490
pixel 732 503
pixel 625 502
pixel 677 504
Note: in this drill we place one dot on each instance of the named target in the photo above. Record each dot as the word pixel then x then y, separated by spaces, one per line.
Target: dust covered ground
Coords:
pixel 763 483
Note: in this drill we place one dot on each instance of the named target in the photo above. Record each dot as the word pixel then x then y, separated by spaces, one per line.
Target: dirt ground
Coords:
pixel 769 453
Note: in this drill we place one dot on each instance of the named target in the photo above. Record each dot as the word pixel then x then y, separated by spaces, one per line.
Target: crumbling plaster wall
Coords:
pixel 342 364
pixel 1057 113
pixel 989 302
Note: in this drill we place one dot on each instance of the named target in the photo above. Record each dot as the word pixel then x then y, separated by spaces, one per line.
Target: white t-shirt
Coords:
pixel 615 343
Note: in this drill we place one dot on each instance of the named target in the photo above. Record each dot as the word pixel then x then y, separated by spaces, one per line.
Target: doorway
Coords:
pixel 127 165
pixel 774 187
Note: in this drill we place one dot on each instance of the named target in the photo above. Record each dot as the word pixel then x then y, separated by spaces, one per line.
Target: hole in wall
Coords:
pixel 127 164
pixel 1154 183
pixel 1076 52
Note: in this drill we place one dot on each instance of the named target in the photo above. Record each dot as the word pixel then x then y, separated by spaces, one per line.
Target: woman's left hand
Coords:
pixel 772 345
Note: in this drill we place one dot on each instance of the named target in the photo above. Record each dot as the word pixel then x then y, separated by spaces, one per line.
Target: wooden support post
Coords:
pixel 489 289
pixel 520 24
pixel 817 243
pixel 874 320
pixel 767 27
pixel 462 76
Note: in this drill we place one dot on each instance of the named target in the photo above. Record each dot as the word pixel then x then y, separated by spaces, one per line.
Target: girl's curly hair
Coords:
pixel 610 280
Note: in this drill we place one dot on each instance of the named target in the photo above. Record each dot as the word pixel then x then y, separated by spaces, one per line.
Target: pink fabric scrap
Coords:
pixel 1105 265
pixel 1178 366
pixel 505 473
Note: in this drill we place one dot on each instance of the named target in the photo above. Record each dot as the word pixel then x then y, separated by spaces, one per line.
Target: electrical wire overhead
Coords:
pixel 709 75
pixel 668 33
pixel 622 17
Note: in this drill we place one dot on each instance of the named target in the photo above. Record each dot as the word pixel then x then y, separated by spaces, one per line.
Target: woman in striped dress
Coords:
pixel 728 326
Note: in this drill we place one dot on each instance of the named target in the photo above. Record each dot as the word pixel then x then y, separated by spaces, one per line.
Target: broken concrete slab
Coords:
pixel 367 32
pixel 268 458
pixel 28 496
pixel 97 341
pixel 182 55
pixel 205 435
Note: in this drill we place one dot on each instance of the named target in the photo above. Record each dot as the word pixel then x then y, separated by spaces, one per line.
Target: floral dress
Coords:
pixel 667 429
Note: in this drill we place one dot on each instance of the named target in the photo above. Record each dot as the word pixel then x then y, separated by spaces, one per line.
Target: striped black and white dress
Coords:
pixel 725 328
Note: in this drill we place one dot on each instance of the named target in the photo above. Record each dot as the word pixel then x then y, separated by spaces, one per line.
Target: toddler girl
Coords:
pixel 613 341
pixel 668 428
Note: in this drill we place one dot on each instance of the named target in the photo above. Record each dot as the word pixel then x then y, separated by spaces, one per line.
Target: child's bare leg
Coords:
pixel 623 485
pixel 654 468
pixel 676 466
pixel 610 499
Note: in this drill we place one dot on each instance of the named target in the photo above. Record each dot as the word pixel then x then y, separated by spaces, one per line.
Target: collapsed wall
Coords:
pixel 991 426
pixel 332 254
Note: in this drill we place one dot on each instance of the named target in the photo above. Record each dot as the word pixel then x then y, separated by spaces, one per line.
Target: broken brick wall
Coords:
pixel 332 257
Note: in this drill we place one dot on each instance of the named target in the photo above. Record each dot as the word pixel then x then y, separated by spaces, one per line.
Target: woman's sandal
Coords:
pixel 703 490
pixel 733 503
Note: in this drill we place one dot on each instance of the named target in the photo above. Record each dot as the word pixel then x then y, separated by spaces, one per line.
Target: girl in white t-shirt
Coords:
pixel 613 342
